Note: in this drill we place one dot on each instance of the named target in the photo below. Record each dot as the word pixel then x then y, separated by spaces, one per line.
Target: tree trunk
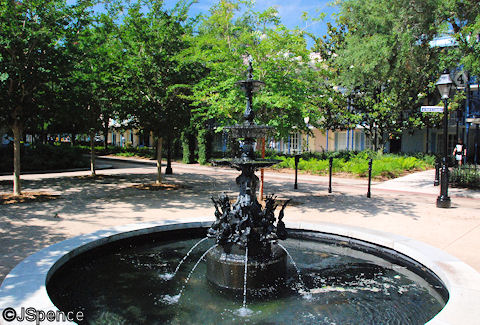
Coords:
pixel 159 160
pixel 92 153
pixel 17 134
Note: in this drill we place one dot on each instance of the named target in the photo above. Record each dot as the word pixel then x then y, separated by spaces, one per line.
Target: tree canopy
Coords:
pixel 72 68
pixel 224 40
pixel 381 54
pixel 32 60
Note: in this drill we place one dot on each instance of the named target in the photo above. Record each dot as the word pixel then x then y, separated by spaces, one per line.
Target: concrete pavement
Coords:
pixel 404 206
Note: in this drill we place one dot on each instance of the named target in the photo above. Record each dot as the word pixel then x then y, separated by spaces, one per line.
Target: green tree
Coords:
pixel 32 38
pixel 381 52
pixel 463 17
pixel 93 87
pixel 225 38
pixel 157 80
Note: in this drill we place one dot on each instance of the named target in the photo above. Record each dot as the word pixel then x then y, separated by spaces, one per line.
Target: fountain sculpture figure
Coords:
pixel 245 226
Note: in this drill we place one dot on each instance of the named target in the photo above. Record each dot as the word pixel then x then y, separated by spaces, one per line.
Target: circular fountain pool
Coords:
pixel 339 281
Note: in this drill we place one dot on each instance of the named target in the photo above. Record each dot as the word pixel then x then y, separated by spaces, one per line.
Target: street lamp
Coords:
pixel 444 85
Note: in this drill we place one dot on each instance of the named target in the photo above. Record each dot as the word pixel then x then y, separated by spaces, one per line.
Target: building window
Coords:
pixel 340 141
pixel 359 141
pixel 295 142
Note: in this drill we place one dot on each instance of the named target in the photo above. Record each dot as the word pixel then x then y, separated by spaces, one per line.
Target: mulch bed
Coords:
pixel 26 197
pixel 158 187
pixel 87 177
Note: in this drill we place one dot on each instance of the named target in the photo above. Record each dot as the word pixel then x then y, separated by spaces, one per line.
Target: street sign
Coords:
pixel 460 79
pixel 431 109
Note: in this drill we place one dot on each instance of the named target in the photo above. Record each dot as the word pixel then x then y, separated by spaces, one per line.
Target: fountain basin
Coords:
pixel 227 270
pixel 26 283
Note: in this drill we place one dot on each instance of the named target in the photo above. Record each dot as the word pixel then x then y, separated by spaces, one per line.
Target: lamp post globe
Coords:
pixel 444 85
pixel 306 119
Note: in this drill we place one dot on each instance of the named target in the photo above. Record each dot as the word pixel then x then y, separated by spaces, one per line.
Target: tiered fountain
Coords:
pixel 154 275
pixel 247 253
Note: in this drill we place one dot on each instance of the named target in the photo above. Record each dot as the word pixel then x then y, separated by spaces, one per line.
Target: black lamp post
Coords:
pixel 444 85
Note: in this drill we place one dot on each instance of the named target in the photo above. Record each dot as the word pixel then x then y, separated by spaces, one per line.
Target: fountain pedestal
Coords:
pixel 227 270
pixel 245 226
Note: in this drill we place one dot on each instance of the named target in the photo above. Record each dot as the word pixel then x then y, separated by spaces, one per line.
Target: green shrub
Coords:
pixel 126 154
pixel 188 147
pixel 204 141
pixel 314 165
pixel 356 163
pixel 127 151
pixel 465 176
pixel 42 157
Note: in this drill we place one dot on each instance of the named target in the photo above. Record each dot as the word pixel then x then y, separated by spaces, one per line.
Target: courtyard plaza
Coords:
pixel 404 206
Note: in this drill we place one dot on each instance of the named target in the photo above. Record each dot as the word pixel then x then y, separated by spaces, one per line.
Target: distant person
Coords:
pixel 459 152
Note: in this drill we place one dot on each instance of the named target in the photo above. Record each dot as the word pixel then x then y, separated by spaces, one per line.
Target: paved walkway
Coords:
pixel 405 206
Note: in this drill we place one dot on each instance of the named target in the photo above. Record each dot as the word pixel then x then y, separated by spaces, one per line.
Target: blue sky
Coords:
pixel 290 11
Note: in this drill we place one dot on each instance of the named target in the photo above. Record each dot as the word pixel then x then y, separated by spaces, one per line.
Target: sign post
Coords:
pixel 460 79
pixel 431 109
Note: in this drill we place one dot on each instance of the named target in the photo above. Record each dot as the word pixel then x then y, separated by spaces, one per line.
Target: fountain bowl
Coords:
pixel 25 286
pixel 227 270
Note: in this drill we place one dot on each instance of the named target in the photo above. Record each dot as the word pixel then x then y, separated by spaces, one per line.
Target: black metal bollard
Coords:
pixel 436 182
pixel 370 162
pixel 169 170
pixel 297 159
pixel 330 167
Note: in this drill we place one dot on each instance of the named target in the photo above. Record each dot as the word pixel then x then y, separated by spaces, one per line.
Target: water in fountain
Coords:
pixel 347 286
pixel 168 276
pixel 304 291
pixel 244 311
pixel 173 299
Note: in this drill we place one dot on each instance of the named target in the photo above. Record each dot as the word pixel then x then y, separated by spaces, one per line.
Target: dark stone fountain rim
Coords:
pixel 256 84
pixel 25 285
